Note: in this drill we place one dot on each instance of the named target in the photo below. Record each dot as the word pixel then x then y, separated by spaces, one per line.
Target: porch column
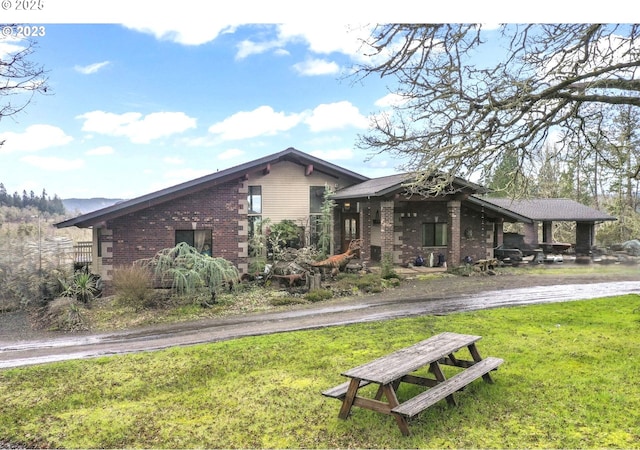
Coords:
pixel 498 233
pixel 386 228
pixel 584 237
pixel 531 234
pixel 365 231
pixel 454 233
pixel 547 231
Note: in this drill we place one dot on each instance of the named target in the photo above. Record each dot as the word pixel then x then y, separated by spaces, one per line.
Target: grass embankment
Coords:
pixel 570 380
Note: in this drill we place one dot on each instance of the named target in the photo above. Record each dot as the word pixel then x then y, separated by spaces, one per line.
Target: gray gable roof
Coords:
pixel 222 176
pixel 550 209
pixel 379 187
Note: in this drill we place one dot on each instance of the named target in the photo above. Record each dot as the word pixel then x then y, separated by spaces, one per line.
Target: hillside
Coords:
pixel 86 205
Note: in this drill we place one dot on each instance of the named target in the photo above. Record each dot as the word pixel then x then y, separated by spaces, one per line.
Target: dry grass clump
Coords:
pixel 133 287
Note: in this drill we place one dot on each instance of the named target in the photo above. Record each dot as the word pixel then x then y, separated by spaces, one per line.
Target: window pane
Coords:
pixel 434 234
pixel 316 197
pixel 184 236
pixel 428 235
pixel 441 234
pixel 254 199
pixel 255 225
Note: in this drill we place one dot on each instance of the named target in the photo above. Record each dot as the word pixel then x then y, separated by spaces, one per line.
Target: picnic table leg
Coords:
pixel 390 393
pixel 354 385
pixel 380 391
pixel 437 371
pixel 477 358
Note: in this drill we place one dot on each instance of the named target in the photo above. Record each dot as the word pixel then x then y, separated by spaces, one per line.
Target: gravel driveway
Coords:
pixel 20 346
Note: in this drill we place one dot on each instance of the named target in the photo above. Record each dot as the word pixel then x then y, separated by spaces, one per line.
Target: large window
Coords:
pixel 434 234
pixel 200 239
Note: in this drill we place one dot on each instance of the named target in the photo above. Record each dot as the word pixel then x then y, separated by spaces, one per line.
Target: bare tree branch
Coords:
pixel 20 78
pixel 471 94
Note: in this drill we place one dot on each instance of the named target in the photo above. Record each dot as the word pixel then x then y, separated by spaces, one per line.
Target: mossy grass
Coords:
pixel 569 380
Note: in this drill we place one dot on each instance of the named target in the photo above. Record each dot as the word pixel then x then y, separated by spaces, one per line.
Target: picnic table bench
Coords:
pixel 387 372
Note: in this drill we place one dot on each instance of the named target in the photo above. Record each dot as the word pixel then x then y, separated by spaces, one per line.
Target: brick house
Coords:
pixel 218 211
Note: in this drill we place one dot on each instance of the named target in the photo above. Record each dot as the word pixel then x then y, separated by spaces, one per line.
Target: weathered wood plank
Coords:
pixel 340 390
pixel 391 367
pixel 431 396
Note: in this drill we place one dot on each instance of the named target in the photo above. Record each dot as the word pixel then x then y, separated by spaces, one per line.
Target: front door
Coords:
pixel 350 229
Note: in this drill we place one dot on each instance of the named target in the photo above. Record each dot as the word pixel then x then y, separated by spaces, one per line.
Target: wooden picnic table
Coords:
pixel 387 372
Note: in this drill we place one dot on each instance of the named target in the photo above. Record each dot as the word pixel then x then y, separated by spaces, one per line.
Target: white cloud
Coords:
pixel 91 68
pixel 247 48
pixel 196 29
pixel 137 128
pixel 327 37
pixel 312 67
pixel 262 121
pixel 391 100
pixel 230 154
pixel 334 116
pixel 10 45
pixel 100 151
pixel 34 138
pixel 53 163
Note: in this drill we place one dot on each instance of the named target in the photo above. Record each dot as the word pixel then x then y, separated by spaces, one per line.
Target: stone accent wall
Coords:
pixel 411 220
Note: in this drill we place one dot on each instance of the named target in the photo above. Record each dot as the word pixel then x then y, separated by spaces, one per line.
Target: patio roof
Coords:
pixel 549 209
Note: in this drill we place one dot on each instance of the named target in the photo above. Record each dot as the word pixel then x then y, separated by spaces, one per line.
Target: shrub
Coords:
pixel 132 285
pixel 82 286
pixel 64 314
pixel 190 272
pixel 387 271
pixel 318 295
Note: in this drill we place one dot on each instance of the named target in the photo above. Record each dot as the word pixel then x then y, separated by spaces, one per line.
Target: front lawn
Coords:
pixel 570 380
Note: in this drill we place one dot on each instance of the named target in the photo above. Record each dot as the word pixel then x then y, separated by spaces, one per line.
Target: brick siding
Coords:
pixel 142 234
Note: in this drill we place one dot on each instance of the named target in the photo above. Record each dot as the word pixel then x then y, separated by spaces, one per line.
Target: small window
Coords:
pixel 434 234
pixel 254 199
pixel 200 239
pixel 316 198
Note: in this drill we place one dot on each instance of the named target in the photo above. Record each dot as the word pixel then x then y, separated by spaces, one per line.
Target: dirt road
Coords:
pixel 414 298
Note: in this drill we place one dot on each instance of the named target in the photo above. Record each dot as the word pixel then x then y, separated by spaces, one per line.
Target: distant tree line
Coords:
pixel 43 203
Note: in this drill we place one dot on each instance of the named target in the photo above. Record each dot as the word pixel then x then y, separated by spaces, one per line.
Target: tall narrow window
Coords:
pixel 434 234
pixel 254 199
pixel 316 198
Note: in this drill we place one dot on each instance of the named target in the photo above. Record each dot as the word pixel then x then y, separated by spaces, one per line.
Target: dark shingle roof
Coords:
pixel 379 187
pixel 551 209
pixel 373 188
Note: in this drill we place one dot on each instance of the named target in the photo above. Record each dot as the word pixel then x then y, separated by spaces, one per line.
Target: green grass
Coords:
pixel 570 380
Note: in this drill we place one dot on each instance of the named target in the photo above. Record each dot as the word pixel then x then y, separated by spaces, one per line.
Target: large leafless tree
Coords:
pixel 20 77
pixel 467 95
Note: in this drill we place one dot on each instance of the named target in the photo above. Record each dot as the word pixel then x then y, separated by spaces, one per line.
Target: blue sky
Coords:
pixel 148 96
